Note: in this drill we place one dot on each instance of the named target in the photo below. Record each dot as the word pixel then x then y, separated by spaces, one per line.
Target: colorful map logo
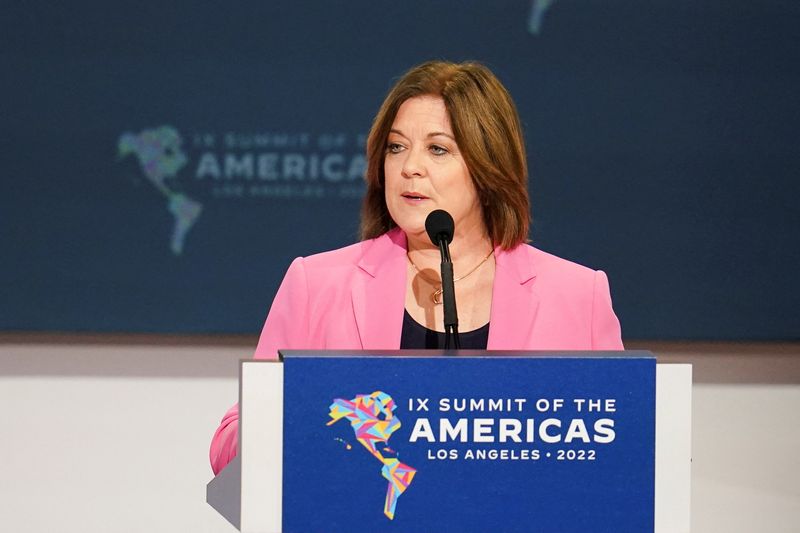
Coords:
pixel 536 18
pixel 373 422
pixel 161 158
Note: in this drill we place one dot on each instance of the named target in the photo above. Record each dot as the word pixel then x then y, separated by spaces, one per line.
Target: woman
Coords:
pixel 446 137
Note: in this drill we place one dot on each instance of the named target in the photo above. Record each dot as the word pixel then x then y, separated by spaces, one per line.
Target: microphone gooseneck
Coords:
pixel 440 228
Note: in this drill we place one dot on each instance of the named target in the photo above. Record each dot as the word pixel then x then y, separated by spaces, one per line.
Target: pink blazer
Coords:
pixel 354 298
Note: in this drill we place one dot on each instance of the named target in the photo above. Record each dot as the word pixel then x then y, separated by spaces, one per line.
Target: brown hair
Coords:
pixel 488 133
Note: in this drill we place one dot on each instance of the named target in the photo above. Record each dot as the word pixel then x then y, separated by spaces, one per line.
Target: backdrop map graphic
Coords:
pixel 160 156
pixel 163 165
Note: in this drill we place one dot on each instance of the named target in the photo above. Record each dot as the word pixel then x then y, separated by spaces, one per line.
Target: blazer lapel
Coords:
pixel 378 296
pixel 378 293
pixel 514 301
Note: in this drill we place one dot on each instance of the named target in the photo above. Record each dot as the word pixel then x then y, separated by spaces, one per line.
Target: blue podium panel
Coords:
pixel 495 443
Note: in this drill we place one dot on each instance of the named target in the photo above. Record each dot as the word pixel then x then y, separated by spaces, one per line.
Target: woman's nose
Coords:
pixel 413 165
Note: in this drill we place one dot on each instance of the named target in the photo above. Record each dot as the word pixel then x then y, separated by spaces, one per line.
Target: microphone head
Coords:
pixel 440 225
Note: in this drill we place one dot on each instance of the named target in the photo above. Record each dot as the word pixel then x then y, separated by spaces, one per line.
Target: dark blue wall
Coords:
pixel 662 141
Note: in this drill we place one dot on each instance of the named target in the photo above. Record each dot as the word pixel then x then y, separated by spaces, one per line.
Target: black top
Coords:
pixel 417 336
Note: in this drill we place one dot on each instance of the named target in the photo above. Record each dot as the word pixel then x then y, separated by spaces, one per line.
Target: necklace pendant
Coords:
pixel 437 296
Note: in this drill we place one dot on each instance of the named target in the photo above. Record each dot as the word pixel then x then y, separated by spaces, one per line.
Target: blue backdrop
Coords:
pixel 162 164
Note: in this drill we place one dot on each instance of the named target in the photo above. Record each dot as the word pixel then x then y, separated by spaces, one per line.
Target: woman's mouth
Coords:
pixel 414 196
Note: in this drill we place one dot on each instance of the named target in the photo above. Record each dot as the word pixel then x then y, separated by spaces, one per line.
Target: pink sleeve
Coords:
pixel 606 332
pixel 224 443
pixel 286 327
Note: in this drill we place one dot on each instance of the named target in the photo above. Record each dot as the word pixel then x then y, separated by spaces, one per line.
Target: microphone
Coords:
pixel 440 225
pixel 440 228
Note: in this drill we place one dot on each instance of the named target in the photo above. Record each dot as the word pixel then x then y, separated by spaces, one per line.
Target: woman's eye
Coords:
pixel 438 150
pixel 394 148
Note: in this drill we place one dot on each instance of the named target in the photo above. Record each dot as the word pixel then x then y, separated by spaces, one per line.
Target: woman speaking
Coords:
pixel 446 137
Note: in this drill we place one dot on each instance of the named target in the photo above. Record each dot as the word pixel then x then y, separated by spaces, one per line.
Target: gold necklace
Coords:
pixel 437 294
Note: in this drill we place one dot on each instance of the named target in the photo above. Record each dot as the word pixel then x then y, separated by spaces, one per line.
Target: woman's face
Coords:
pixel 425 171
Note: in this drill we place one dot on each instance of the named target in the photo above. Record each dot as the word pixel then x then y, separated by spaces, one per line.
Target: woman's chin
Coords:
pixel 412 230
pixel 421 240
pixel 411 223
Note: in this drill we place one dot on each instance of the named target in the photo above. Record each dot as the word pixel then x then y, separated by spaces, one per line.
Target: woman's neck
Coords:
pixel 470 246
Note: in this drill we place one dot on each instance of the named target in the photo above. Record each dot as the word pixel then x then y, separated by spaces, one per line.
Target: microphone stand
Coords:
pixel 448 297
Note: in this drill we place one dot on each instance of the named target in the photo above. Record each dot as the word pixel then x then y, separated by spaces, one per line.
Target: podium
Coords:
pixel 466 441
